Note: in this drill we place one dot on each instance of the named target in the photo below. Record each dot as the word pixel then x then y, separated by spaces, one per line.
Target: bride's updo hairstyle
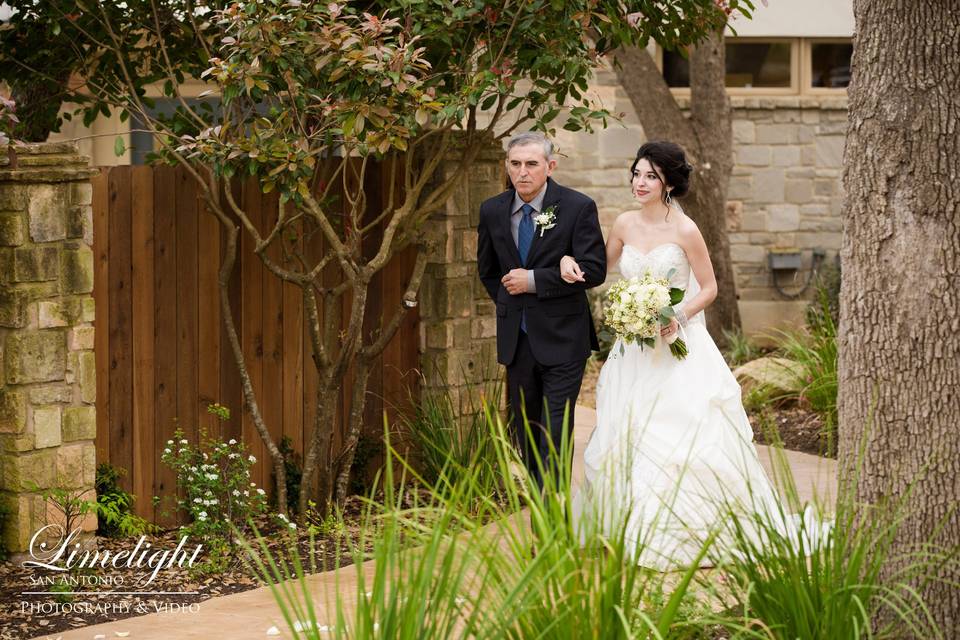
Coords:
pixel 671 161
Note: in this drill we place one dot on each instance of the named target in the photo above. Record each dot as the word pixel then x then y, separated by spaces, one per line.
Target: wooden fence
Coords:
pixel 161 346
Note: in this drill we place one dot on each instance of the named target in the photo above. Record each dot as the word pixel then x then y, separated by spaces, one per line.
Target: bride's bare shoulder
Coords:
pixel 688 231
pixel 625 218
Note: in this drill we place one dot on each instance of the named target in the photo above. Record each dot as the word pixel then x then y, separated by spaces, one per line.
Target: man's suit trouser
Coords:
pixel 530 385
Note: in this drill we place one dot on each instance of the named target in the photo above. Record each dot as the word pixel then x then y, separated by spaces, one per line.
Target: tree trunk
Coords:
pixel 707 138
pixel 900 293
pixel 250 399
pixel 358 402
pixel 314 484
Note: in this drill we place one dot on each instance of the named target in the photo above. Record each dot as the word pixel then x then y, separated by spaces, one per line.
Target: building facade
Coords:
pixel 787 72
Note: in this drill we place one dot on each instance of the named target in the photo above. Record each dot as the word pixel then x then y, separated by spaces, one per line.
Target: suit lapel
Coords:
pixel 550 198
pixel 503 218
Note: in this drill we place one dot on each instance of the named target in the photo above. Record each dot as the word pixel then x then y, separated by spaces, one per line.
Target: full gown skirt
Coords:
pixel 671 458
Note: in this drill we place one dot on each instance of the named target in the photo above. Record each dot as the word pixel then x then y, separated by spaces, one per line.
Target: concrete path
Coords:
pixel 250 614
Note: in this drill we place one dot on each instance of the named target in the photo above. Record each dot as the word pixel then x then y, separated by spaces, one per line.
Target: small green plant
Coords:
pixel 739 348
pixel 215 490
pixel 329 525
pixel 63 591
pixel 449 445
pixel 814 350
pixel 808 580
pixel 114 505
pixel 72 503
pixel 759 396
pixel 826 304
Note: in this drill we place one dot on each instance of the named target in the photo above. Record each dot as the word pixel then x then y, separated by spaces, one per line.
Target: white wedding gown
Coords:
pixel 672 450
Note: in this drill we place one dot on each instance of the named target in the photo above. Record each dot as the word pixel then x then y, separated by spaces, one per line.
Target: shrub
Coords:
pixel 449 445
pixel 814 349
pixel 293 471
pixel 739 348
pixel 213 479
pixel 471 579
pixel 826 305
pixel 71 503
pixel 114 505
pixel 841 581
pixel 368 449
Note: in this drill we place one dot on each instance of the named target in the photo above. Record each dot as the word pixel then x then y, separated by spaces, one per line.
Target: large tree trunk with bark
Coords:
pixel 899 367
pixel 707 137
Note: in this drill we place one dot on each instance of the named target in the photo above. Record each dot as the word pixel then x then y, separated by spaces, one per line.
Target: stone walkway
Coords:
pixel 250 614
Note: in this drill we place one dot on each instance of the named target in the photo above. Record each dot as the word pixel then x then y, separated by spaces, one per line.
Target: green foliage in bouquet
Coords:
pixel 637 308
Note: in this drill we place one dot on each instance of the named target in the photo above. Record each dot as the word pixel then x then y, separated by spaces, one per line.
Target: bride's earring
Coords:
pixel 668 199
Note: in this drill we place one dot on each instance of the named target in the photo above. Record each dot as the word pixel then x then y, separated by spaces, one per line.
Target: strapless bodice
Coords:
pixel 667 260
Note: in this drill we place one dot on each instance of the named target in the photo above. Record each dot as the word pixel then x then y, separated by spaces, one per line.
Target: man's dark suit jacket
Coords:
pixel 559 324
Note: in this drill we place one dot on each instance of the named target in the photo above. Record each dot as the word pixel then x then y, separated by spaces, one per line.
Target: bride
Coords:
pixel 672 449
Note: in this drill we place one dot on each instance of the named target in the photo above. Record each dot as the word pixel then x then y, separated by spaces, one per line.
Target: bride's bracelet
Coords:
pixel 680 315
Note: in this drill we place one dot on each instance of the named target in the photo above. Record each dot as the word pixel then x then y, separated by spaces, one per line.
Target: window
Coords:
pixel 750 64
pixel 776 66
pixel 756 65
pixel 141 140
pixel 830 64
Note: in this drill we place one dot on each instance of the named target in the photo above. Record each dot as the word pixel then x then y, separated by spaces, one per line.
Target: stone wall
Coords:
pixel 785 190
pixel 458 324
pixel 47 366
pixel 785 193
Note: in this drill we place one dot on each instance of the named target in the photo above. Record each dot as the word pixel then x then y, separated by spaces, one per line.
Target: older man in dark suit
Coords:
pixel 544 327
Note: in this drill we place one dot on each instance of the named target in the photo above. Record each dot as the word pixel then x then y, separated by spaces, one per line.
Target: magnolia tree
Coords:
pixel 312 93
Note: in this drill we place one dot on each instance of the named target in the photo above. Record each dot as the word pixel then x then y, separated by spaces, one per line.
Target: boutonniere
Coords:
pixel 546 219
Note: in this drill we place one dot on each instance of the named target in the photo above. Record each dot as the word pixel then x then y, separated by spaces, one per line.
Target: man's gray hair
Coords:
pixel 532 137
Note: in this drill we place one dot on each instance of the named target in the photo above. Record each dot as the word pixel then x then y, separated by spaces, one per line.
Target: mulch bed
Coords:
pixel 26 616
pixel 796 429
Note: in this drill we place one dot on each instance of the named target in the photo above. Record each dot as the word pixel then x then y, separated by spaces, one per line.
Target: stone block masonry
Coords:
pixel 786 185
pixel 47 411
pixel 458 348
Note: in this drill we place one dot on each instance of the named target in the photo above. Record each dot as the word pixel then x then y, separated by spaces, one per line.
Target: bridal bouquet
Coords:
pixel 637 308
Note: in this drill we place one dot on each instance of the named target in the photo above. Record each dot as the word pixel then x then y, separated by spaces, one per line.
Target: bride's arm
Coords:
pixel 615 242
pixel 569 268
pixel 699 258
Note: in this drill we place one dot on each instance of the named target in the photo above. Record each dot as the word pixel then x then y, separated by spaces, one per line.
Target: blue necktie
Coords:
pixel 525 233
pixel 524 240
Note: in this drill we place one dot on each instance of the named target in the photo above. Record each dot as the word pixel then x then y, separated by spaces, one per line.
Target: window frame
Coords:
pixel 793 89
pixel 807 67
pixel 801 69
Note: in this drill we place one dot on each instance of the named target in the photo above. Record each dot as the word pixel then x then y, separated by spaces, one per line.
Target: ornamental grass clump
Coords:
pixel 821 582
pixel 510 566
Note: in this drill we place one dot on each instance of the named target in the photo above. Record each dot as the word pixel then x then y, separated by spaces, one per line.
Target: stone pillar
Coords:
pixel 458 324
pixel 47 365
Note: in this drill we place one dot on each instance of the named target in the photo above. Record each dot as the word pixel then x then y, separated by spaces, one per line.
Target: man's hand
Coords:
pixel 515 282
